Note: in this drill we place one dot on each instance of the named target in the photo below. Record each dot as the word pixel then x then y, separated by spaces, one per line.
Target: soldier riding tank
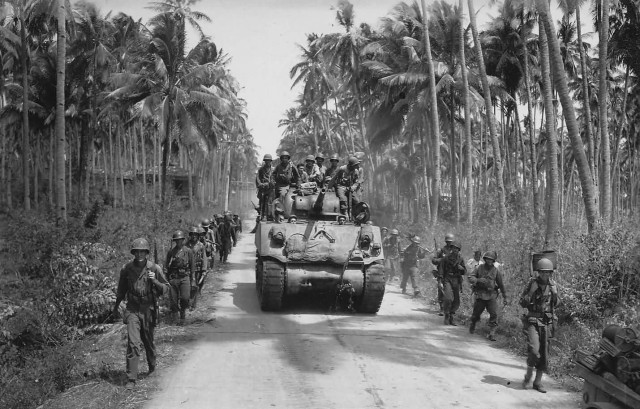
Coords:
pixel 316 250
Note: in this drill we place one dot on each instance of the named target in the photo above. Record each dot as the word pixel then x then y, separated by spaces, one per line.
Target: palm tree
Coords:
pixel 489 113
pixel 467 114
pixel 603 120
pixel 61 195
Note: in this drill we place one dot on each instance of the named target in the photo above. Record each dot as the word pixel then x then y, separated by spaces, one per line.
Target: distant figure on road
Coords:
pixel 485 281
pixel 392 250
pixel 141 282
pixel 226 237
pixel 201 260
pixel 439 255
pixel 411 255
pixel 540 298
pixel 450 271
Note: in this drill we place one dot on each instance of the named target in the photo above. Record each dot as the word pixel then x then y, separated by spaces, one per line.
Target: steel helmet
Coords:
pixel 205 222
pixel 383 228
pixel 353 161
pixel 395 232
pixel 449 237
pixel 334 156
pixel 310 158
pixel 456 244
pixel 140 244
pixel 194 230
pixel 284 153
pixel 177 235
pixel 544 264
pixel 415 239
pixel 267 157
pixel 300 165
pixel 319 156
pixel 491 255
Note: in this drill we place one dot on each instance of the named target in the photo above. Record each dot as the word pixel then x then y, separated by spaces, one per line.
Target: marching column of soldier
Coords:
pixel 142 282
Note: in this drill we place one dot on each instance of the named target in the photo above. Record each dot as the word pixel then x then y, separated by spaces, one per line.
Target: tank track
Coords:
pixel 271 290
pixel 373 289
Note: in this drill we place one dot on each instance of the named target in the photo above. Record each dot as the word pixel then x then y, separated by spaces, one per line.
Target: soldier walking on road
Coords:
pixel 440 254
pixel 451 268
pixel 540 298
pixel 392 250
pixel 485 281
pixel 141 282
pixel 226 237
pixel 208 238
pixel 181 266
pixel 200 258
pixel 412 254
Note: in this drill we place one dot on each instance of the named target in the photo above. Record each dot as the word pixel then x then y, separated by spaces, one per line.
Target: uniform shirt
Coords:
pixel 539 299
pixel 303 176
pixel 323 172
pixel 411 255
pixel 139 290
pixel 313 174
pixel 180 262
pixel 451 267
pixel 346 177
pixel 485 280
pixel 440 254
pixel 391 247
pixel 284 175
pixel 226 233
pixel 199 254
pixel 263 177
pixel 329 173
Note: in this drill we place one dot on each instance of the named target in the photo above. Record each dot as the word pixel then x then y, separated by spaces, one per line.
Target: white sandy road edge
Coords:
pixel 403 357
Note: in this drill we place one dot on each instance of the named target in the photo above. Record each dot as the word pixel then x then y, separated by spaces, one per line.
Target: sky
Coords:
pixel 261 37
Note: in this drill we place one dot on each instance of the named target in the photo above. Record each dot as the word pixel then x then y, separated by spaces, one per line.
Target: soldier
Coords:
pixel 440 254
pixel 330 172
pixel 141 282
pixel 321 168
pixel 238 224
pixel 485 280
pixel 348 180
pixel 384 231
pixel 226 237
pixel 207 238
pixel 312 170
pixel 410 264
pixel 540 298
pixel 391 247
pixel 265 189
pixel 201 261
pixel 283 176
pixel 474 262
pixel 304 176
pixel 181 266
pixel 451 268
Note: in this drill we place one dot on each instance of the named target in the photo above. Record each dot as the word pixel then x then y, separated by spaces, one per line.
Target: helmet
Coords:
pixel 456 244
pixel 300 165
pixel 200 229
pixel 205 222
pixel 267 157
pixel 311 158
pixel 415 239
pixel 319 156
pixel 140 244
pixel 177 235
pixel 395 232
pixel 334 156
pixel 285 153
pixel 218 216
pixel 491 255
pixel 544 264
pixel 194 230
pixel 228 216
pixel 353 161
pixel 449 237
pixel 383 228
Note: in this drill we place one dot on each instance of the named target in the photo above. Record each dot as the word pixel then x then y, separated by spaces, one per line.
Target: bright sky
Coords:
pixel 261 37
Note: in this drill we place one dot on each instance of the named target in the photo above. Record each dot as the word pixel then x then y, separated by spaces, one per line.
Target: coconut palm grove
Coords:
pixel 514 124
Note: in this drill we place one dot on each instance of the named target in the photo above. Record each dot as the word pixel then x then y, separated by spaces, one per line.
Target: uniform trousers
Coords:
pixel 451 295
pixel 392 266
pixel 537 345
pixel 490 305
pixel 180 294
pixel 409 273
pixel 140 329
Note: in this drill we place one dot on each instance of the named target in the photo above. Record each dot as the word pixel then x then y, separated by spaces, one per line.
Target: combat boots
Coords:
pixel 472 327
pixel 537 383
pixel 492 334
pixel 451 320
pixel 446 319
pixel 527 377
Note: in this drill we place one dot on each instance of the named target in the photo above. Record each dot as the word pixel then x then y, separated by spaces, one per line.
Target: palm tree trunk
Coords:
pixel 26 148
pixel 166 149
pixel 467 116
pixel 435 121
pixel 585 95
pixel 120 155
pixel 454 168
pixel 497 161
pixel 144 162
pixel 552 157
pixel 603 98
pixel 61 193
pixel 568 110
pixel 52 165
pixel 112 163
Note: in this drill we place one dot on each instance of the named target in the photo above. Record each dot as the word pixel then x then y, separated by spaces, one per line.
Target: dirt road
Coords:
pixel 403 357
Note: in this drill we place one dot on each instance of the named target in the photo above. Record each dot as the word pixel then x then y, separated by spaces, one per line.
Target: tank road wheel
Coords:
pixel 373 289
pixel 272 287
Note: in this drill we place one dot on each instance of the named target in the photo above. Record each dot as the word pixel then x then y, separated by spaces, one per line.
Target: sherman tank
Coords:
pixel 311 249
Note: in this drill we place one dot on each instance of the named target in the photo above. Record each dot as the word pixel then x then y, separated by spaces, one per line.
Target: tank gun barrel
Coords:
pixel 317 206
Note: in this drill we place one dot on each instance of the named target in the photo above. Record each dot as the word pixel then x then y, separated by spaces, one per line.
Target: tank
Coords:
pixel 315 250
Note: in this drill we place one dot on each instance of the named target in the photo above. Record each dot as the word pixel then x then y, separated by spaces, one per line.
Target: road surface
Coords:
pixel 403 357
